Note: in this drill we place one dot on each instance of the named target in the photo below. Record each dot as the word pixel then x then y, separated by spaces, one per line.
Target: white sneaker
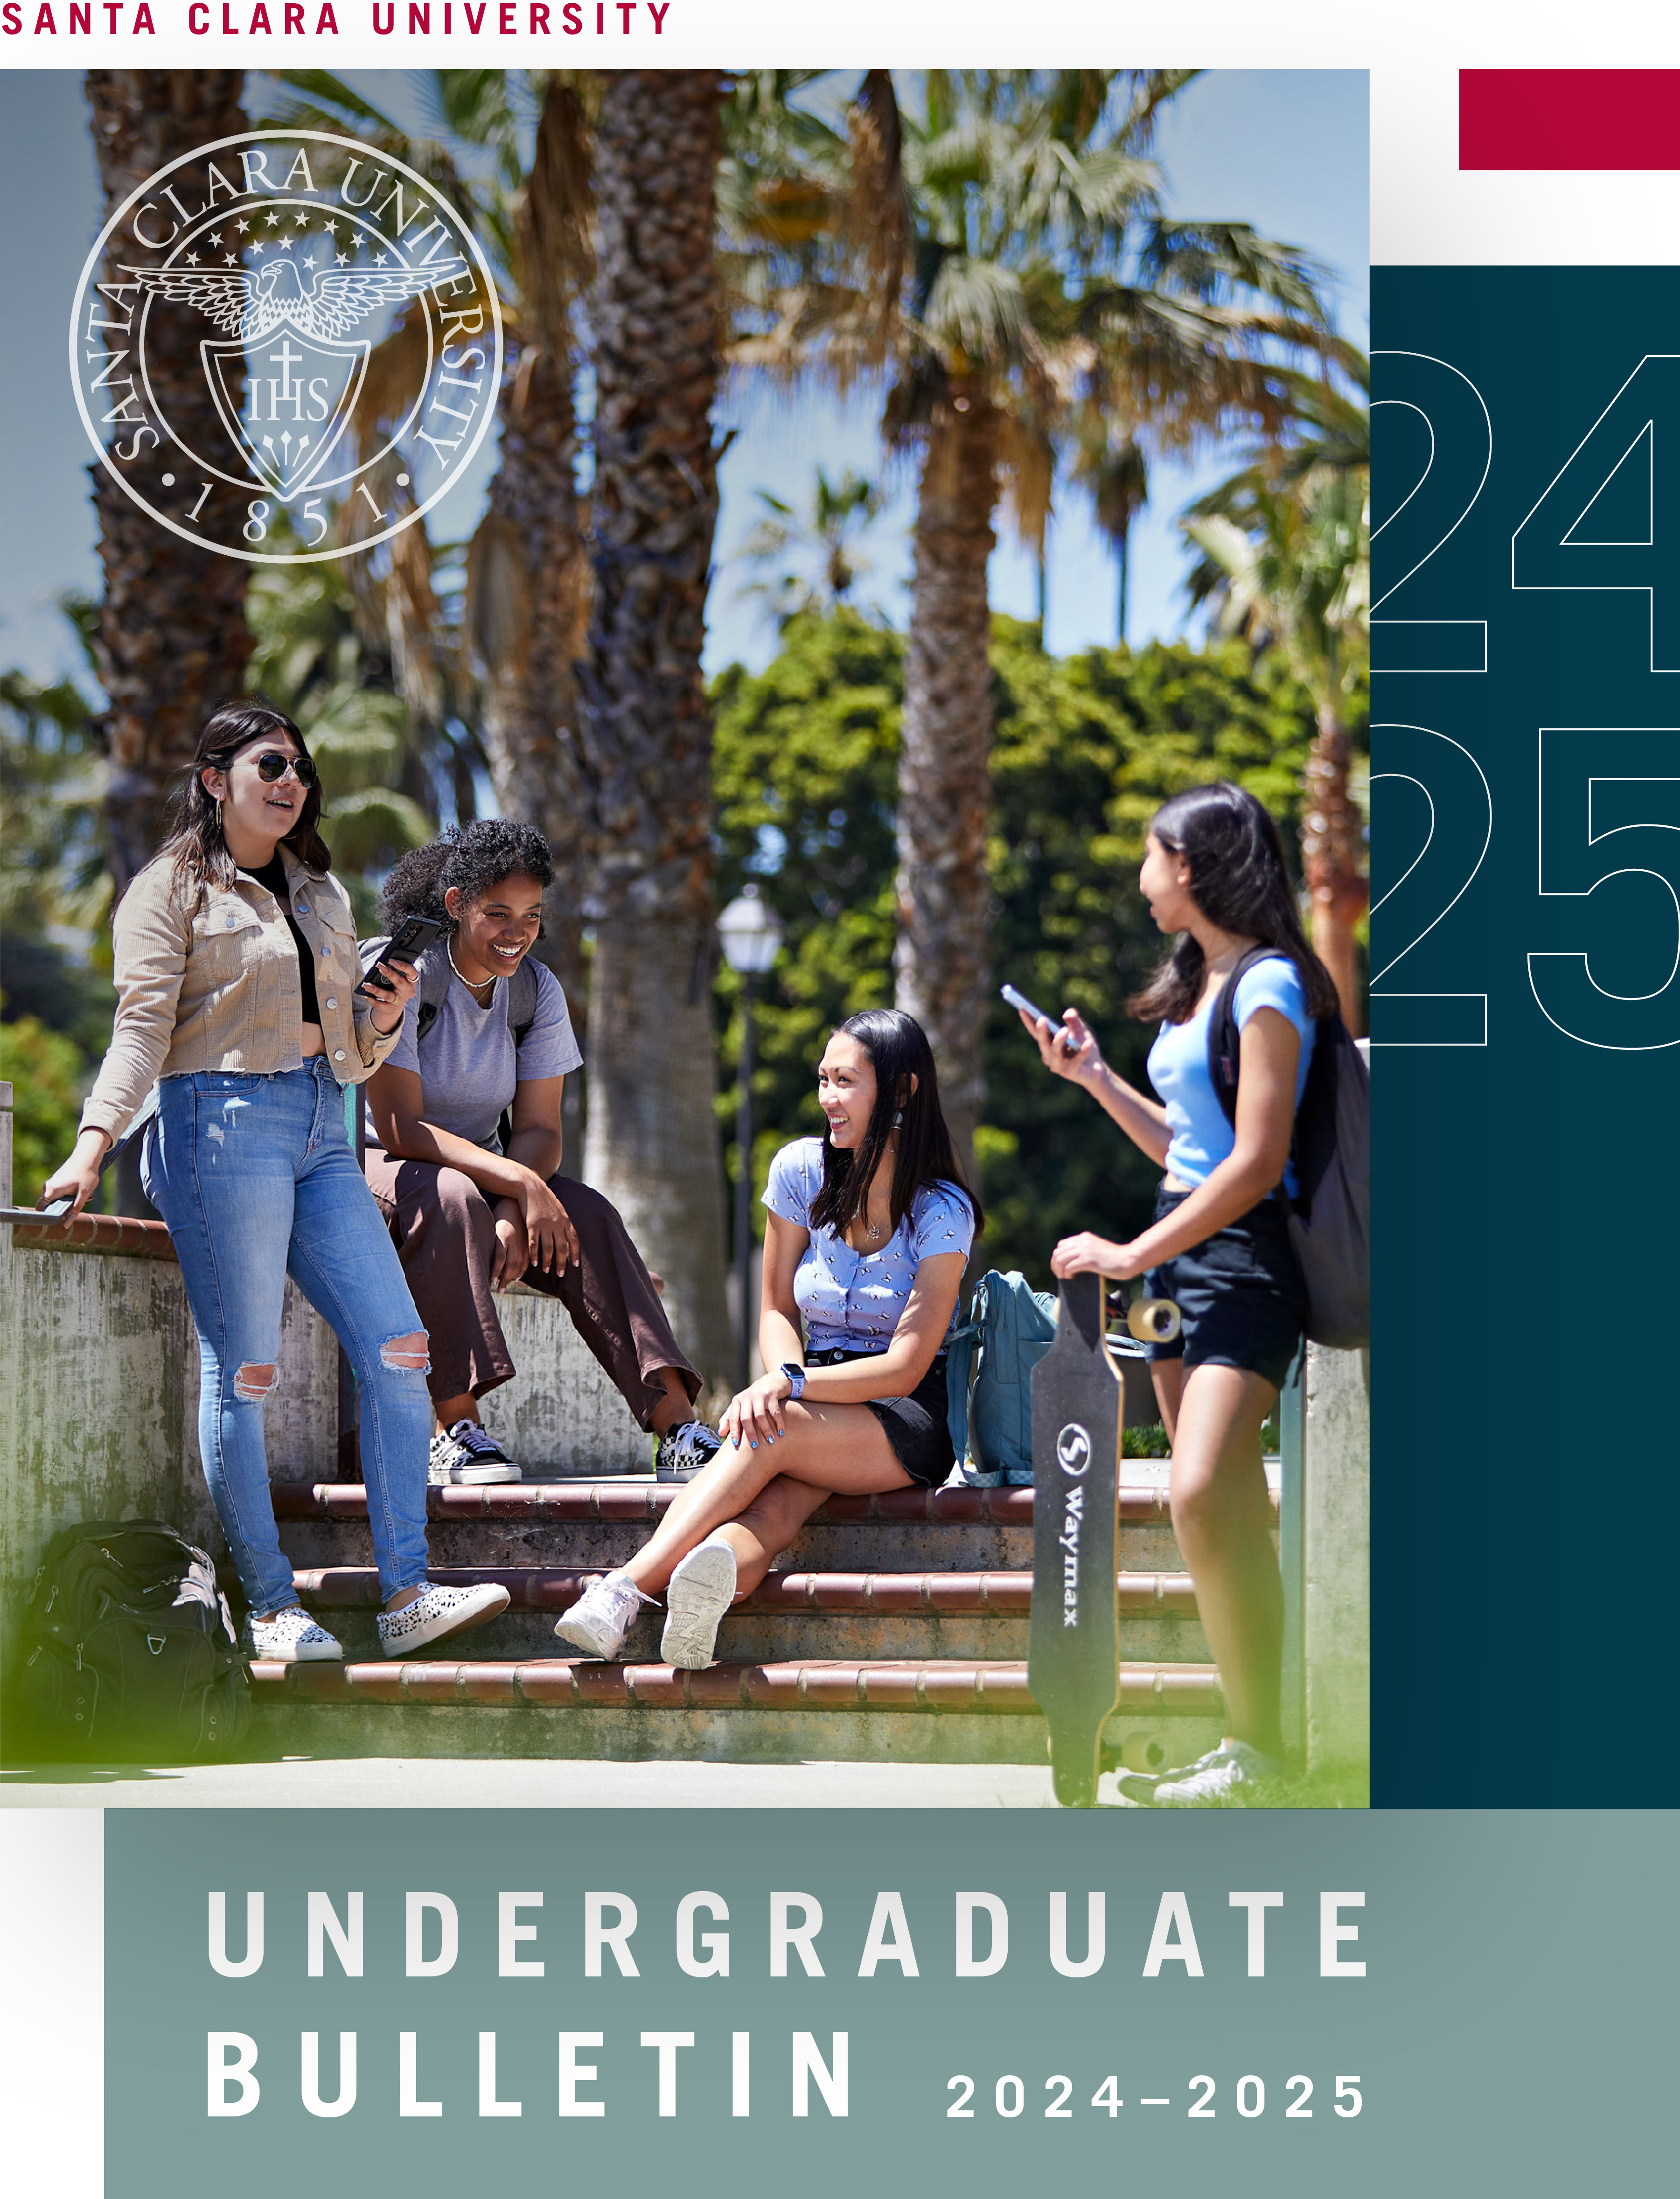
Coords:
pixel 1233 1763
pixel 680 1453
pixel 292 1637
pixel 438 1613
pixel 470 1455
pixel 603 1615
pixel 701 1590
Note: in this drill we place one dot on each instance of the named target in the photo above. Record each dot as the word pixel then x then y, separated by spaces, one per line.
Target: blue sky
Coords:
pixel 1284 150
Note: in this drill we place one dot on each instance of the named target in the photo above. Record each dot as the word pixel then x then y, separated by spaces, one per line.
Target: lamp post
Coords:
pixel 751 933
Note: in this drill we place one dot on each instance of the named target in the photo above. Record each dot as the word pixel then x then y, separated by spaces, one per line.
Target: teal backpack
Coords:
pixel 989 1378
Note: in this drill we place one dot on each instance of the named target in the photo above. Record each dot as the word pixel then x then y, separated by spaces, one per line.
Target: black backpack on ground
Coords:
pixel 128 1643
pixel 1330 1215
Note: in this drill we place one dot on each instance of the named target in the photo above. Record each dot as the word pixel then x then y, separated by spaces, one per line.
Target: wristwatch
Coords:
pixel 795 1380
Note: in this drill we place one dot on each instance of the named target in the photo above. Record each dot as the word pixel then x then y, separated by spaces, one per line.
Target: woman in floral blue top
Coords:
pixel 868 1235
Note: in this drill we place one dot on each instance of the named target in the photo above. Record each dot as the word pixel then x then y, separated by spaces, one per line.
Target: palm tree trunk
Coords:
pixel 530 597
pixel 653 1144
pixel 172 640
pixel 944 779
pixel 1330 849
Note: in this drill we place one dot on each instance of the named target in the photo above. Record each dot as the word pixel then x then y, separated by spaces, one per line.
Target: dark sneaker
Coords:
pixel 469 1454
pixel 680 1453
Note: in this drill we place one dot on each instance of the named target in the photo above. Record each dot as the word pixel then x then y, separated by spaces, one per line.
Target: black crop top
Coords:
pixel 273 875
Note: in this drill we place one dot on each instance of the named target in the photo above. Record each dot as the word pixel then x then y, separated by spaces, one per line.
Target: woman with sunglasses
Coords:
pixel 237 971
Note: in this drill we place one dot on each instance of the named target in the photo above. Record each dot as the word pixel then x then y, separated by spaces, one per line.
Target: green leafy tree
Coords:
pixel 47 1072
pixel 55 888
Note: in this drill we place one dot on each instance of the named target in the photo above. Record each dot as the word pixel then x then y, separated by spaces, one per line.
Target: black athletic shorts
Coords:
pixel 916 1426
pixel 1239 1291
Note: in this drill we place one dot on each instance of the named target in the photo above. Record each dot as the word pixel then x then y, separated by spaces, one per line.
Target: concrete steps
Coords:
pixel 894 1628
pixel 930 1710
pixel 791 1615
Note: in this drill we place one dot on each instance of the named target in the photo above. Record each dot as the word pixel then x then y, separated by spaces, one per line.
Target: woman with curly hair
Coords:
pixel 464 1157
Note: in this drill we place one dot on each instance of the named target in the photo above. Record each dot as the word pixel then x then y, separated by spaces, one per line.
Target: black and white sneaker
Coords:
pixel 469 1454
pixel 680 1453
pixel 438 1613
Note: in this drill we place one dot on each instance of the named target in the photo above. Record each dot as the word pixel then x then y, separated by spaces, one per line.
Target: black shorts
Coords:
pixel 916 1426
pixel 1239 1291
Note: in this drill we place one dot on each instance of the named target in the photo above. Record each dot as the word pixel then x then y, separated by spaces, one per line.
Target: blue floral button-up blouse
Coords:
pixel 853 1301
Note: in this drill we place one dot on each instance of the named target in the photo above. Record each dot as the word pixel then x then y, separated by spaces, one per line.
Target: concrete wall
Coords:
pixel 99 1399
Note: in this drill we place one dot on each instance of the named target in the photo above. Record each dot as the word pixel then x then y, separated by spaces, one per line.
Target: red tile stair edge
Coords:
pixel 871 1595
pixel 896 1684
pixel 568 1502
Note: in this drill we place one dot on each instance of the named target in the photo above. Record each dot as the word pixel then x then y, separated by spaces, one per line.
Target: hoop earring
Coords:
pixel 218 817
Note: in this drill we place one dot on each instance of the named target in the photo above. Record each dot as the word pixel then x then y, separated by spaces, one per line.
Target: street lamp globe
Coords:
pixel 751 932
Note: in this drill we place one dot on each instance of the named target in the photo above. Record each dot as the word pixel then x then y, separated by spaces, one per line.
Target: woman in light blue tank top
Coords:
pixel 1214 874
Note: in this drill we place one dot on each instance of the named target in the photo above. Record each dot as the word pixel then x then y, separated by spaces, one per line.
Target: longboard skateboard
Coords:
pixel 1073 1641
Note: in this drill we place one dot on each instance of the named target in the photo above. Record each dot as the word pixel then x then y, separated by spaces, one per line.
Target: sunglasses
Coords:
pixel 271 765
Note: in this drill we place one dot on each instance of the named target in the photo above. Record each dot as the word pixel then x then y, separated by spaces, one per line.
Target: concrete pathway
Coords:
pixel 434 1783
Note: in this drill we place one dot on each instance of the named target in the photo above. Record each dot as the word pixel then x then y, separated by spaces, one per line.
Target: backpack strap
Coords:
pixel 522 999
pixel 1224 1039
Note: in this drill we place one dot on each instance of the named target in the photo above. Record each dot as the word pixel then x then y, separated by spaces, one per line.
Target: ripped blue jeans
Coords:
pixel 256 1181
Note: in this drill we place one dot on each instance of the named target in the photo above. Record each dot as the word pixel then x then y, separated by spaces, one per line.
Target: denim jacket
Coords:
pixel 218 988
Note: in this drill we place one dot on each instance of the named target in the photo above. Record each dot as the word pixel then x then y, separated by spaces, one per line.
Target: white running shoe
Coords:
pixel 701 1590
pixel 438 1613
pixel 1233 1763
pixel 603 1615
pixel 680 1453
pixel 468 1455
pixel 292 1637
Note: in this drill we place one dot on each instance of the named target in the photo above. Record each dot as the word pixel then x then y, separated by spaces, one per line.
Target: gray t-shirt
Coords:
pixel 467 1064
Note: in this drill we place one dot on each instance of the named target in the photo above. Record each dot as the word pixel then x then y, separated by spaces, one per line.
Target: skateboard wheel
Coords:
pixel 1153 1321
pixel 1143 1752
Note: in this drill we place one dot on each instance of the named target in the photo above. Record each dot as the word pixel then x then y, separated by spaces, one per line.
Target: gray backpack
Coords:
pixel 1330 1215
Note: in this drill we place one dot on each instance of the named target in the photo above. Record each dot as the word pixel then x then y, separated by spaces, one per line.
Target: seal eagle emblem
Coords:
pixel 280 260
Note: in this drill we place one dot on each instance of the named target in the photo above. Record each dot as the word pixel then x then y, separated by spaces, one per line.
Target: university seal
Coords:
pixel 286 346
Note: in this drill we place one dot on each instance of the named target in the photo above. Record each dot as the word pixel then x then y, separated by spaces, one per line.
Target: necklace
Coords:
pixel 474 990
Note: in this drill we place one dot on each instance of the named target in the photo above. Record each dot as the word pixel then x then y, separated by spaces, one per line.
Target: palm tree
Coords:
pixel 824 538
pixel 654 316
pixel 1006 257
pixel 171 640
pixel 1285 560
pixel 527 581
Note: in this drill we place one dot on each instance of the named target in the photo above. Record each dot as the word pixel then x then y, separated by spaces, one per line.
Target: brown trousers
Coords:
pixel 446 1238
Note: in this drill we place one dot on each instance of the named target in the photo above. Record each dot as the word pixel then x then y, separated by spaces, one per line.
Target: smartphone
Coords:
pixel 1020 1001
pixel 410 941
pixel 59 1206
